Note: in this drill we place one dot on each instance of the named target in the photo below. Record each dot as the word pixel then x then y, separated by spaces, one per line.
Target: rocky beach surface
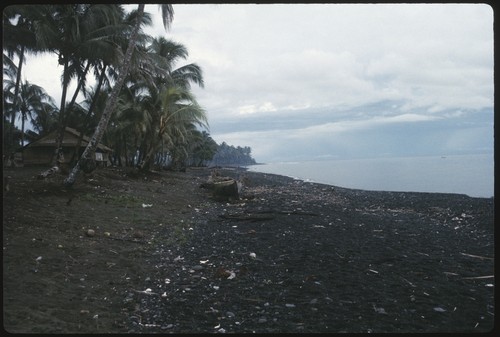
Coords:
pixel 124 252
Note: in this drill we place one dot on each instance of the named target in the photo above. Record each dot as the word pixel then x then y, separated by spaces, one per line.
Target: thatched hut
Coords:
pixel 41 151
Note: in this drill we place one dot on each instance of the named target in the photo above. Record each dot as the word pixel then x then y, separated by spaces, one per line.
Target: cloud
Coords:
pixel 382 128
pixel 335 79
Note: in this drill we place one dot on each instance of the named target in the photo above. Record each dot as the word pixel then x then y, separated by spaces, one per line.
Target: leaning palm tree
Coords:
pixel 79 34
pixel 171 110
pixel 167 15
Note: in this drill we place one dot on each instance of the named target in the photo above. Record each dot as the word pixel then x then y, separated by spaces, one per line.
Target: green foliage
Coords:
pixel 230 155
pixel 157 120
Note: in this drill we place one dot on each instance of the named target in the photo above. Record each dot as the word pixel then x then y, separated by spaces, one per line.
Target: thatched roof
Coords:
pixel 71 137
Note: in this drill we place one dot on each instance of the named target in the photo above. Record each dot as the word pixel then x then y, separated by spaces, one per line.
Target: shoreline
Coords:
pixel 289 256
pixel 350 174
pixel 245 171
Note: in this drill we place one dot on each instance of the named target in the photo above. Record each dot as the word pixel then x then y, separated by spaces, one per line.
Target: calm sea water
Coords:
pixel 465 174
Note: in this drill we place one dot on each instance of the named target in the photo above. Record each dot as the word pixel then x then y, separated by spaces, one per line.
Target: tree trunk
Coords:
pixel 86 121
pixel 111 103
pixel 16 94
pixel 62 118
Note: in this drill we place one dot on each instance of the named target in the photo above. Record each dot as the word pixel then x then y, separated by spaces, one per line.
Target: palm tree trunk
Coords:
pixel 23 117
pixel 111 103
pixel 62 117
pixel 16 93
pixel 86 120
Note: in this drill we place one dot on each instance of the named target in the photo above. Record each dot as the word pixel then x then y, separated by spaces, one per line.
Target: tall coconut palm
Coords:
pixel 31 100
pixel 167 16
pixel 78 34
pixel 18 38
pixel 171 110
pixel 154 74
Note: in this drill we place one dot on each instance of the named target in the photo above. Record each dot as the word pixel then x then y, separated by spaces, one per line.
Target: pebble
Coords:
pixel 262 320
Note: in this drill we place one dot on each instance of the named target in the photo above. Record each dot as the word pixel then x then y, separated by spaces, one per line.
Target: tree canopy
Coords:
pixel 145 111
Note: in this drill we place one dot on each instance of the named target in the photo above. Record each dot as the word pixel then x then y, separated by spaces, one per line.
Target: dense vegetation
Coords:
pixel 230 155
pixel 154 120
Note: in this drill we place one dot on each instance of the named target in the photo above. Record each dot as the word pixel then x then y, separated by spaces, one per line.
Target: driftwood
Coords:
pixel 477 256
pixel 246 217
pixel 262 215
pixel 49 172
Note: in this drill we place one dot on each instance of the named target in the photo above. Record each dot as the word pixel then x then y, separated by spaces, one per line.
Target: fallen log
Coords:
pixel 49 172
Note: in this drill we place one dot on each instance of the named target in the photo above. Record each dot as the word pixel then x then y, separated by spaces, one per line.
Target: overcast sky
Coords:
pixel 299 82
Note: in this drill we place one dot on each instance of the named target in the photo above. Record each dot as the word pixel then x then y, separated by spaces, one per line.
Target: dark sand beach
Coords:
pixel 162 256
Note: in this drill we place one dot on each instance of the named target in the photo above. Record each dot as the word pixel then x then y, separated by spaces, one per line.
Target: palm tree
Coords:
pixel 202 147
pixel 128 126
pixel 31 101
pixel 45 120
pixel 167 16
pixel 171 111
pixel 79 34
pixel 18 39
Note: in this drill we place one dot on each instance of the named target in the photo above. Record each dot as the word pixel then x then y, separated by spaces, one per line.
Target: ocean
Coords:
pixel 472 175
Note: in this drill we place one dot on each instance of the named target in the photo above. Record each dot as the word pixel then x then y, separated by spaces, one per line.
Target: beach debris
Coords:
pixel 379 310
pixel 138 234
pixel 477 256
pixel 439 309
pixel 478 277
pixel 148 291
pixel 225 273
pixel 246 217
pixel 90 233
pixel 147 205
pixel 289 305
pixel 252 255
pixel 414 286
